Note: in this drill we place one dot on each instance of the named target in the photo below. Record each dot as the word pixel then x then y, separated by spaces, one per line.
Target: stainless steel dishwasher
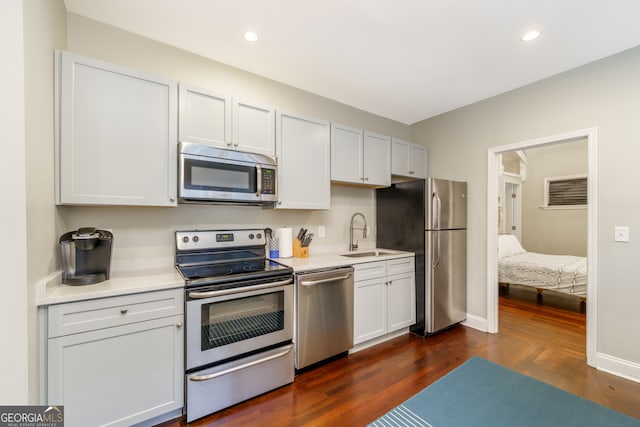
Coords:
pixel 324 313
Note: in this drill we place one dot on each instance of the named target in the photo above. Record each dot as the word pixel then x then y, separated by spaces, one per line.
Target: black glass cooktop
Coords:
pixel 232 271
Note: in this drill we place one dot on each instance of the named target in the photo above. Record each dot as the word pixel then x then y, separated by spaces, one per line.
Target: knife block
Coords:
pixel 300 251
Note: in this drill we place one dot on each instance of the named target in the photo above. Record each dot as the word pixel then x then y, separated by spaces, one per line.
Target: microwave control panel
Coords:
pixel 268 181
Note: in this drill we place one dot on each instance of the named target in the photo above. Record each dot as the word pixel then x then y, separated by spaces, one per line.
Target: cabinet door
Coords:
pixel 401 301
pixel 253 127
pixel 205 117
pixel 116 135
pixel 377 159
pixel 347 155
pixel 408 159
pixel 118 376
pixel 303 151
pixel 369 309
pixel 400 157
pixel 417 161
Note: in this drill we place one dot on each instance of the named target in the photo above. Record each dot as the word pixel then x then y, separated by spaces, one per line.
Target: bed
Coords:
pixel 559 273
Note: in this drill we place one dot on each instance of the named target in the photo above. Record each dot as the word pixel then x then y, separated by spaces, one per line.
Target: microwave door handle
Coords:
pixel 259 180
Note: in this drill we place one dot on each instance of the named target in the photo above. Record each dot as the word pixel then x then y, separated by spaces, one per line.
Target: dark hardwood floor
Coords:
pixel 542 341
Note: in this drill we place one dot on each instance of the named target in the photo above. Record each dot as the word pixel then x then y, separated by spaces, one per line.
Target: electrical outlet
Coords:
pixel 321 231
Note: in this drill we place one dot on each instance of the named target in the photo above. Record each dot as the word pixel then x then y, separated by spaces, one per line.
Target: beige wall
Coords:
pixel 557 231
pixel 32 29
pixel 13 259
pixel 604 94
pixel 144 234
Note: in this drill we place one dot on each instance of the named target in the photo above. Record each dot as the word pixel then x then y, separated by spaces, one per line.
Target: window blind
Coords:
pixel 567 192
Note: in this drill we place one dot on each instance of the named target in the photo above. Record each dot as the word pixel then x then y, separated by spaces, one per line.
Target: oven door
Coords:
pixel 227 323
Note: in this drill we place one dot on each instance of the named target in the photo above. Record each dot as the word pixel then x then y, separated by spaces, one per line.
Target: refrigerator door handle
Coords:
pixel 436 247
pixel 436 210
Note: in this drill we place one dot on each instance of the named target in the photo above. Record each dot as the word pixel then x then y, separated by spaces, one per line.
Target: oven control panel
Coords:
pixel 212 239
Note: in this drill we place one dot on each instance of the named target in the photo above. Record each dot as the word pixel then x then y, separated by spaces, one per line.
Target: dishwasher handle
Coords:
pixel 326 280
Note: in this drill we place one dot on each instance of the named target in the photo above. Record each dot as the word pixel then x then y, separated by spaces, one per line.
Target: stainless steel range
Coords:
pixel 239 318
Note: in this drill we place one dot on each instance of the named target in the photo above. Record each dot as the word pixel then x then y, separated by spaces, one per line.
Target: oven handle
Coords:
pixel 239 367
pixel 209 294
pixel 327 280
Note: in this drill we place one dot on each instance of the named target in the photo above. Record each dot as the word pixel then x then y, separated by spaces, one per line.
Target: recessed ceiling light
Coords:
pixel 531 35
pixel 250 36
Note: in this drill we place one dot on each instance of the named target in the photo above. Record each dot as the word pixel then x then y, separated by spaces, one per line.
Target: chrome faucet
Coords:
pixel 354 246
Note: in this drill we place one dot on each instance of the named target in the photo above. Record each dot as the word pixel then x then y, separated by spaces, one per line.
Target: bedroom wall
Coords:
pixel 556 231
pixel 603 94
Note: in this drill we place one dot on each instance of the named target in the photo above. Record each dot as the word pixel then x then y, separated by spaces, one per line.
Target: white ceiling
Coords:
pixel 406 60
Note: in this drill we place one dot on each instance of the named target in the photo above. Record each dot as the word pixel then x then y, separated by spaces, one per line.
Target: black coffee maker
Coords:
pixel 86 256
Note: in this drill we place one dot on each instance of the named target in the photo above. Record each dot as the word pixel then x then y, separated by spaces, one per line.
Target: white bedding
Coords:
pixel 561 273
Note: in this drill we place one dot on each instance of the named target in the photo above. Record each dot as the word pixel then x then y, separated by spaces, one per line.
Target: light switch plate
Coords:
pixel 621 234
pixel 321 231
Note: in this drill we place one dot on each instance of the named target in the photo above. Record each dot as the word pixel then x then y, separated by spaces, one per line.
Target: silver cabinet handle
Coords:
pixel 179 325
pixel 124 310
pixel 209 294
pixel 239 367
pixel 327 280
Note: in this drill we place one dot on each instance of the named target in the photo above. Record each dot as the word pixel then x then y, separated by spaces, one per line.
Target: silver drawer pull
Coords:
pixel 327 280
pixel 124 310
pixel 209 294
pixel 239 367
pixel 179 325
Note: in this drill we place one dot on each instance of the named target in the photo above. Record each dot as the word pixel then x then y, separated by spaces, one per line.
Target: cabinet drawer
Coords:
pixel 369 270
pixel 73 318
pixel 401 265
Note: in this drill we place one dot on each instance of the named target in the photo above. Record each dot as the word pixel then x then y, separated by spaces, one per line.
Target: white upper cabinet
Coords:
pixel 205 117
pixel 377 159
pixel 360 157
pixel 303 151
pixel 408 159
pixel 253 127
pixel 347 153
pixel 211 118
pixel 116 140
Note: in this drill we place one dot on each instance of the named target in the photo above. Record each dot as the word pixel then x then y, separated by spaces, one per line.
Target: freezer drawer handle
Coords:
pixel 210 294
pixel 327 280
pixel 239 367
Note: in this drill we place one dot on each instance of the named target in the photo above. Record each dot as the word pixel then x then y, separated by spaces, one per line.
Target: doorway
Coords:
pixel 493 182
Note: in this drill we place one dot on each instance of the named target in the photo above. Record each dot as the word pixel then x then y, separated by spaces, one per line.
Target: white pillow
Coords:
pixel 508 245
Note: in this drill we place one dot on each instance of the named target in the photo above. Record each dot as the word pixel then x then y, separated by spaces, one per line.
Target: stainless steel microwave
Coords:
pixel 214 175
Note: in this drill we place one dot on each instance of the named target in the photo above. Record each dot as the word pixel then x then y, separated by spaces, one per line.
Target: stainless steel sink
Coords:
pixel 366 254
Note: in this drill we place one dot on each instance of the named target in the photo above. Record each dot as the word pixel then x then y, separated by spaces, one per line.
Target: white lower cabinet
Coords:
pixel 116 361
pixel 384 298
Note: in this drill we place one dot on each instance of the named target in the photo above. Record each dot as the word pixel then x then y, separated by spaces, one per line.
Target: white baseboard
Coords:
pixel 476 322
pixel 619 367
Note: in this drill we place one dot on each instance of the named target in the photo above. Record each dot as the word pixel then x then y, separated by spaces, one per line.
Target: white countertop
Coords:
pixel 333 260
pixel 50 290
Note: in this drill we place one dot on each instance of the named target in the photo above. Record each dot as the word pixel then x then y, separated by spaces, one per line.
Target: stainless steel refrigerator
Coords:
pixel 429 217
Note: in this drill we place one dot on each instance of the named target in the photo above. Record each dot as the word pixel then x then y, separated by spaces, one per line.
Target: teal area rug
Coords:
pixel 481 393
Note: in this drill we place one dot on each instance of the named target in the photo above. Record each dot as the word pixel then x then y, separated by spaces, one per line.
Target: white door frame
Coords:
pixel 508 179
pixel 493 170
